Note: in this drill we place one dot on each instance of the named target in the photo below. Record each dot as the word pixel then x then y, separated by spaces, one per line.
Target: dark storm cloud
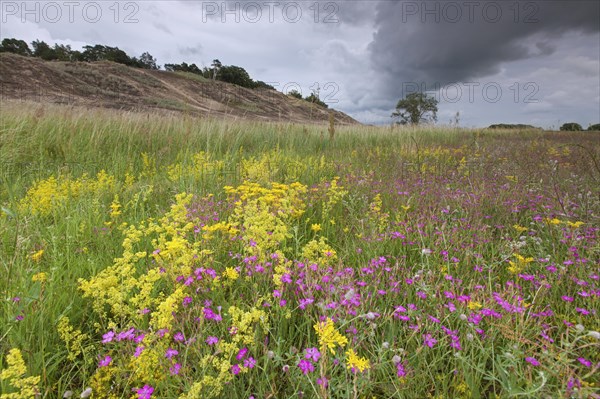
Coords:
pixel 439 42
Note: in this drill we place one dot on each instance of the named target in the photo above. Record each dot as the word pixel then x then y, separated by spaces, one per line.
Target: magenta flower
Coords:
pixel 235 369
pixel 312 354
pixel 174 369
pixel 250 362
pixel 105 362
pixel 126 335
pixel 139 338
pixel 179 337
pixel 306 366
pixel 428 340
pixel 240 355
pixel 138 351
pixel 323 382
pixel 145 392
pixel 532 360
pixel 584 361
pixel 400 370
pixel 171 352
pixel 212 340
pixel 106 338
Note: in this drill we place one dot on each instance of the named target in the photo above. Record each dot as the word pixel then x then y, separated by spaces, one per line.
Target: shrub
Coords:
pixel 571 127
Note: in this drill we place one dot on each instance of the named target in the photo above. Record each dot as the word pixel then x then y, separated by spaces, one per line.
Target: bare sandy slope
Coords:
pixel 110 85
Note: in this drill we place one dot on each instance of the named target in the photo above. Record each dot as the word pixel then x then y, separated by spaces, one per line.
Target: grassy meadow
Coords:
pixel 146 256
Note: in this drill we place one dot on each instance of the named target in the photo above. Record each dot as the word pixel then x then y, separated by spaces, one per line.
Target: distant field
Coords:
pixel 173 257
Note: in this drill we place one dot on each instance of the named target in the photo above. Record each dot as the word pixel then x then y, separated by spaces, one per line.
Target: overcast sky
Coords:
pixel 533 62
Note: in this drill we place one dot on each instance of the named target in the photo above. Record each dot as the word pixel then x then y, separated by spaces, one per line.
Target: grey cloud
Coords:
pixel 409 45
pixel 191 50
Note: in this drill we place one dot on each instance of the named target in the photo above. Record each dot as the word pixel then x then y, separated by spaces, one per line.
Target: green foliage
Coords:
pixel 295 93
pixel 15 46
pixel 259 84
pixel 313 98
pixel 488 275
pixel 571 127
pixel 416 108
pixel 42 50
pixel 235 75
pixel 183 67
pixel 512 126
pixel 99 52
pixel 59 52
pixel 146 61
pixel 595 127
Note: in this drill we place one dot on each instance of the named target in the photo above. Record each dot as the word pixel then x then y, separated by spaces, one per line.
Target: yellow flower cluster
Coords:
pixel 282 166
pixel 243 324
pixel 520 229
pixel 126 288
pixel 201 166
pixel 26 386
pixel 357 363
pixel 319 252
pixel 47 196
pixel 263 214
pixel 519 265
pixel 329 337
pixel 380 218
pixel 42 277
pixel 335 194
pixel 72 338
pixel 37 256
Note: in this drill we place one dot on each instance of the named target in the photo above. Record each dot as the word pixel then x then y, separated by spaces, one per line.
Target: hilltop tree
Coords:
pixel 216 65
pixel 295 93
pixel 259 84
pixel 64 52
pixel 236 75
pixel 15 46
pixel 183 67
pixel 42 50
pixel 416 108
pixel 147 61
pixel 314 98
pixel 106 53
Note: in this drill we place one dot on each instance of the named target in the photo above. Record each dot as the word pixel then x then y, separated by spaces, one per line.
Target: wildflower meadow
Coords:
pixel 146 256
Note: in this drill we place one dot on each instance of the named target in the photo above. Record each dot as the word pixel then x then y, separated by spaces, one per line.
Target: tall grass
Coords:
pixel 456 223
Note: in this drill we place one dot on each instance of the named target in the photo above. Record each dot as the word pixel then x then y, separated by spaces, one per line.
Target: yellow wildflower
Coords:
pixel 41 277
pixel 357 363
pixel 328 336
pixel 37 256
pixel 231 273
pixel 520 229
pixel 27 387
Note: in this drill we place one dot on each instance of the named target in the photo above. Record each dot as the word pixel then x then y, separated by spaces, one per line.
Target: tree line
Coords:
pixel 59 52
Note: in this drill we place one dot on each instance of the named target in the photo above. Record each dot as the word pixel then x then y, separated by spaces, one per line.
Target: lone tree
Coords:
pixel 571 127
pixel 416 108
pixel 216 65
